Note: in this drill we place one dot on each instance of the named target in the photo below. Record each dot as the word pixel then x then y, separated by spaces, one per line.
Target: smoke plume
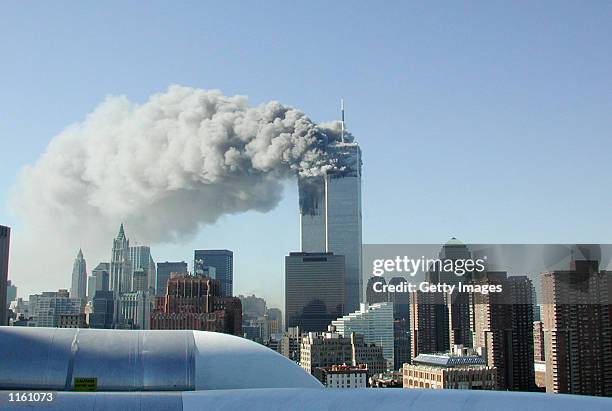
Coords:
pixel 181 160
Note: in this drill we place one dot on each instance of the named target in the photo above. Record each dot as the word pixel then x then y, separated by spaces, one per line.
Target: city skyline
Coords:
pixel 439 86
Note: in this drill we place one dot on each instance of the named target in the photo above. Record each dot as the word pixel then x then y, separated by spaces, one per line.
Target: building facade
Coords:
pixel 503 329
pixel 343 376
pixel 121 266
pixel 578 329
pixel 103 315
pixel 11 293
pixel 46 309
pixel 466 371
pixel 78 289
pixel 164 270
pixel 135 310
pixel 331 348
pixel 143 264
pixel 194 303
pixel 375 323
pixel 309 305
pixel 72 321
pixel 330 217
pixel 223 263
pixel 101 275
pixel 5 240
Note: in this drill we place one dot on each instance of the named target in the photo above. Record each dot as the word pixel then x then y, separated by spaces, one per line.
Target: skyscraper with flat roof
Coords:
pixel 330 216
pixel 101 274
pixel 5 239
pixel 142 262
pixel 503 328
pixel 577 322
pixel 223 263
pixel 164 270
pixel 314 290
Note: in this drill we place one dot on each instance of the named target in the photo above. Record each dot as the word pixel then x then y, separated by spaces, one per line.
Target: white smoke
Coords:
pixel 181 160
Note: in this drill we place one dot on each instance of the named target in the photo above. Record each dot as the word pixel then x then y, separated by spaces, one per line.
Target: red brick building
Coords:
pixel 194 303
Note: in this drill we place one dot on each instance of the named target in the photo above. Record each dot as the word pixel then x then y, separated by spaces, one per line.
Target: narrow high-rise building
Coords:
pixel 121 266
pixel 577 317
pixel 101 276
pixel 330 216
pixel 223 263
pixel 428 328
pixel 314 290
pixel 5 239
pixel 503 330
pixel 143 264
pixel 78 289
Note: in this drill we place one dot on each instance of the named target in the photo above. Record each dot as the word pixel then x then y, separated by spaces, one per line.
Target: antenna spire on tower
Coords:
pixel 342 122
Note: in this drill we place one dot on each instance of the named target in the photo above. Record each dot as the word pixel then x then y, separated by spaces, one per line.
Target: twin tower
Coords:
pixel 330 217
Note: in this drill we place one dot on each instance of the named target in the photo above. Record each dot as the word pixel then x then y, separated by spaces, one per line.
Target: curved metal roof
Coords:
pixel 127 360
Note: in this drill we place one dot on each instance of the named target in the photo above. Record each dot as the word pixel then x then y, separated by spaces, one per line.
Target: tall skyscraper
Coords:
pixel 5 239
pixel 330 217
pixel 223 263
pixel 428 328
pixel 441 320
pixel 78 289
pixel 577 317
pixel 121 266
pixel 314 290
pixel 142 262
pixel 164 270
pixel 503 328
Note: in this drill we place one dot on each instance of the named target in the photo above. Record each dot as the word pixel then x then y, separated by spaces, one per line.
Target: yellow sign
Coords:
pixel 85 384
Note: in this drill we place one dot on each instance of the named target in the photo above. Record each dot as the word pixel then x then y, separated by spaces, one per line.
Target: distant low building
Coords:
pixel 289 344
pixel 540 374
pixel 45 309
pixel 343 376
pixel 72 321
pixel 387 380
pixel 331 348
pixel 460 369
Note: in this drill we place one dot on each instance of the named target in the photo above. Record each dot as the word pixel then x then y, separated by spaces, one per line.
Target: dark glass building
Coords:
pixel 223 263
pixel 103 310
pixel 163 274
pixel 5 239
pixel 314 290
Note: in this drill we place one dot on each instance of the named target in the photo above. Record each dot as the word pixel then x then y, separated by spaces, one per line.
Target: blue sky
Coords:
pixel 489 121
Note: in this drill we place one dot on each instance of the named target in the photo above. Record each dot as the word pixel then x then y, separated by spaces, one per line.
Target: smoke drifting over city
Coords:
pixel 181 160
